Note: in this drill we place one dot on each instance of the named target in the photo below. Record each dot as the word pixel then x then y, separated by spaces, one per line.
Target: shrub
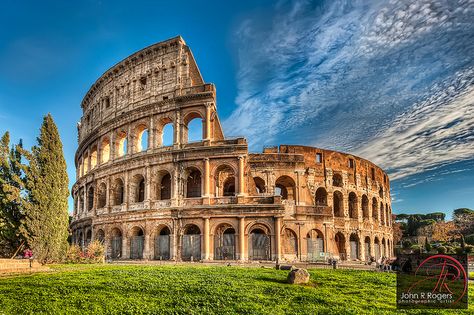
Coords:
pixel 469 239
pixel 73 255
pixel 94 253
pixel 442 250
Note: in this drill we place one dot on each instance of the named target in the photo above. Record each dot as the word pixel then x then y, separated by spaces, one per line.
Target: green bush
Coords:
pixel 94 253
pixel 442 250
pixel 469 239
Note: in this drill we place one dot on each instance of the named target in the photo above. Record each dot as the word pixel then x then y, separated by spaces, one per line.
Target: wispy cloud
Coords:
pixel 391 81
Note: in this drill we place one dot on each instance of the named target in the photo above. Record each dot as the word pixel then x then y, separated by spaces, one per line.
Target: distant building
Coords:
pixel 211 199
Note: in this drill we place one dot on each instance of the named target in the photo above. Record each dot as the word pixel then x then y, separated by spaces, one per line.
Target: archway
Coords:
pixel 136 243
pixel 315 244
pixel 118 192
pixel 105 150
pixel 353 210
pixel 100 236
pixel 116 243
pixel 375 214
pixel 224 242
pixel 340 245
pixel 338 204
pixel 289 244
pixel 224 179
pixel 193 130
pixel 90 198
pixel 139 188
pixel 191 247
pixel 337 180
pixel 321 198
pixel 163 189
pixel 354 244
pixel 285 187
pixel 193 183
pixel 259 245
pixel 259 185
pixel 365 207
pixel 162 244
pixel 102 196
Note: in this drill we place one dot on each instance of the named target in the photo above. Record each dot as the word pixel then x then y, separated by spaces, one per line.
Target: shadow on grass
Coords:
pixel 269 279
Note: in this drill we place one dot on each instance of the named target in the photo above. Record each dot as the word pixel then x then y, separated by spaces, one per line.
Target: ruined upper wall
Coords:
pixel 159 72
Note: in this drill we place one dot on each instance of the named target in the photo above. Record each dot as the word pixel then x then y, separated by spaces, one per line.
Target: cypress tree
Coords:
pixel 11 200
pixel 45 225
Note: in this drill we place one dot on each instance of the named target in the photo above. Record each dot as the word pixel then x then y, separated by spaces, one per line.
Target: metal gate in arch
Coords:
pixel 224 245
pixel 191 249
pixel 162 247
pixel 259 248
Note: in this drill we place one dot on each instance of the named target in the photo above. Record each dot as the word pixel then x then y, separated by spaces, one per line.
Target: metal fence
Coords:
pixel 136 247
pixel 260 247
pixel 224 247
pixel 162 247
pixel 116 247
pixel 315 249
pixel 191 247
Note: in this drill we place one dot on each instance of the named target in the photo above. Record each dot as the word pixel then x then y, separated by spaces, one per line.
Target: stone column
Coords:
pixel 148 184
pixel 206 177
pixel 241 175
pixel 242 238
pixel 125 247
pixel 146 246
pixel 206 238
pixel 151 134
pixel 208 121
pixel 126 190
pixel 112 146
pixel 372 246
pixel 177 129
pixel 129 140
pixel 277 238
pixel 107 195
pixel 98 160
pixel 84 206
pixel 361 248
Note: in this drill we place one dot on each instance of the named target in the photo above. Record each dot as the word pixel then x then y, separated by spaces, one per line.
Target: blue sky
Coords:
pixel 391 81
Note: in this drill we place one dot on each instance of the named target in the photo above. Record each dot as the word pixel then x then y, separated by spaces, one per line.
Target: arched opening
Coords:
pixel 229 186
pixel 354 244
pixel 338 204
pixel 139 189
pixel 375 212
pixel 164 186
pixel 388 217
pixel 137 240
pixel 90 198
pixel 191 248
pixel 224 243
pixel 285 187
pixel 116 243
pixel 315 244
pixel 340 245
pixel 389 249
pixel 167 135
pixel 193 128
pixel 383 250
pixel 259 245
pixel 381 192
pixel 224 178
pixel 377 248
pixel 88 237
pixel 259 185
pixel 365 207
pixel 290 244
pixel 80 207
pixel 321 198
pixel 162 244
pixel 105 150
pixel 337 180
pixel 94 157
pixel 353 211
pixel 122 143
pixel 382 214
pixel 367 248
pixel 100 236
pixel 141 138
pixel 85 166
pixel 118 192
pixel 102 196
pixel 193 183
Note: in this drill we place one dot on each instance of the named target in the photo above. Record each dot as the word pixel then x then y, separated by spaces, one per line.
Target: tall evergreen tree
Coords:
pixel 11 195
pixel 45 225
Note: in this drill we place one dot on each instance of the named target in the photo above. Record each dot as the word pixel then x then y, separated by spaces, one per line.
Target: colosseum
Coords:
pixel 148 192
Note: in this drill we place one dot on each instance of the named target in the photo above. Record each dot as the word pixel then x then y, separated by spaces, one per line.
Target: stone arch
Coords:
pixel 375 211
pixel 100 236
pixel 137 240
pixel 381 192
pixel 163 185
pixel 289 244
pixel 321 197
pixel 353 209
pixel 354 245
pixel 259 242
pixel 337 180
pixel 102 195
pixel 285 187
pixel 338 204
pixel 105 150
pixel 340 241
pixel 193 124
pixel 118 192
pixel 315 245
pixel 93 157
pixel 193 182
pixel 141 138
pixel 121 144
pixel 162 248
pixel 225 180
pixel 259 185
pixel 116 243
pixel 224 242
pixel 191 243
pixel 365 207
pixel 85 161
pixel 90 198
pixel 165 131
pixel 138 188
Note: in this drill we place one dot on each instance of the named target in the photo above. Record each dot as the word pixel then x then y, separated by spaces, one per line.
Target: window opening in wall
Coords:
pixel 372 173
pixel 165 98
pixel 319 157
pixel 167 135
pixel 107 102
pixel 143 81
pixel 195 130
pixel 351 163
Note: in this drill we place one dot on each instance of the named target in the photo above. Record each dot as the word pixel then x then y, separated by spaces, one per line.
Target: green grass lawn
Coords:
pixel 132 289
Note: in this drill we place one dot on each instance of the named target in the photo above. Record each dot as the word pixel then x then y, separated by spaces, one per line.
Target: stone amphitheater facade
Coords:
pixel 211 199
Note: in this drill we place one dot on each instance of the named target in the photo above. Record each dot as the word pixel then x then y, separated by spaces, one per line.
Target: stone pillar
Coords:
pixel 112 146
pixel 241 175
pixel 84 205
pixel 108 189
pixel 177 129
pixel 348 246
pixel 242 255
pixel 208 121
pixel 361 248
pixel 277 238
pixel 174 242
pixel 148 184
pixel 129 140
pixel 125 247
pixel 126 190
pixel 98 160
pixel 206 177
pixel 146 247
pixel 206 238
pixel 372 246
pixel 151 134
